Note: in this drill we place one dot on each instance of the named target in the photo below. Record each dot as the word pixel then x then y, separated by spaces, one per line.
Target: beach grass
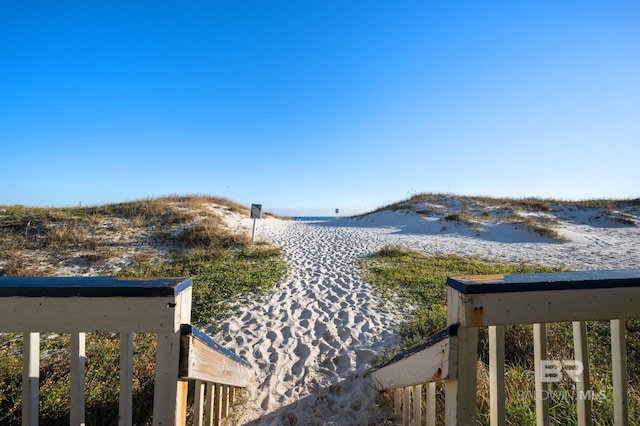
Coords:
pixel 419 280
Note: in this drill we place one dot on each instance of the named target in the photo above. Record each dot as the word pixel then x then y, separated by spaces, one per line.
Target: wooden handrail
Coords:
pixel 496 300
pixel 76 305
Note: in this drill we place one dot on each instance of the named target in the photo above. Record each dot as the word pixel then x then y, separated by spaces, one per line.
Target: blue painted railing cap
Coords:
pixel 578 280
pixel 91 287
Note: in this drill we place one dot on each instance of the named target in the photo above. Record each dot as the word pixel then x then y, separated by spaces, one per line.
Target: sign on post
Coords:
pixel 256 213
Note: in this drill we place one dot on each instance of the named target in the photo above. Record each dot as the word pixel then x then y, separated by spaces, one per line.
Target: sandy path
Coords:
pixel 311 341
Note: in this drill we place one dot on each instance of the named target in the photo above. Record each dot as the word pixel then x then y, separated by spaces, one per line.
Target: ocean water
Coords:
pixel 313 218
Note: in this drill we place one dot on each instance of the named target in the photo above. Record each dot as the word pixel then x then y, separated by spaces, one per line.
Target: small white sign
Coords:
pixel 256 211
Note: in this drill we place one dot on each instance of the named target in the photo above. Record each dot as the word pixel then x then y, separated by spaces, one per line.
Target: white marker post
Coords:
pixel 337 211
pixel 256 213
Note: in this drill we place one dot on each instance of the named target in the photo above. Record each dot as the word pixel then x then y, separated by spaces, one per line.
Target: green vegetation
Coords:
pixel 171 236
pixel 218 276
pixel 420 281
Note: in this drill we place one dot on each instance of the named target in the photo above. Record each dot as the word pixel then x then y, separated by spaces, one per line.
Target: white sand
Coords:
pixel 312 339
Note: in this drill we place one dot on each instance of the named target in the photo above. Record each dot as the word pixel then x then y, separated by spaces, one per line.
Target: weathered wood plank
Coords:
pixel 530 307
pixel 584 383
pixel 461 392
pixel 619 372
pixel 203 359
pixel 406 406
pixel 431 404
pixel 425 362
pixel 30 378
pixel 210 404
pixel 78 358
pixel 167 394
pixel 199 403
pixel 541 388
pixel 496 375
pixel 577 280
pixel 417 404
pixel 397 406
pixel 125 407
pixel 86 314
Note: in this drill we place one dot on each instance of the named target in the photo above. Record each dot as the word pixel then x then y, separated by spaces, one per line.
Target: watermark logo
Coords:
pixel 553 371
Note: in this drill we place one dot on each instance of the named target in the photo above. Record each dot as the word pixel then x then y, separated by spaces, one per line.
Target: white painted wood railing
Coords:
pixel 76 305
pixel 493 301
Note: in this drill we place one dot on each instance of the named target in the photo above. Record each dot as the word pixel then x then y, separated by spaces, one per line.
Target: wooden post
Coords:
pixel 496 375
pixel 78 356
pixel 583 386
pixel 125 409
pixel 168 394
pixel 460 400
pixel 30 378
pixel 619 372
pixel 396 402
pixel 540 354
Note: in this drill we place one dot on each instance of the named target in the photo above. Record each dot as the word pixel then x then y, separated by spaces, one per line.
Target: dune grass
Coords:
pixel 420 280
pixel 224 265
pixel 532 213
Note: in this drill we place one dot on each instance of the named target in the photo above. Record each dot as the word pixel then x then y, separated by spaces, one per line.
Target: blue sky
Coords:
pixel 308 106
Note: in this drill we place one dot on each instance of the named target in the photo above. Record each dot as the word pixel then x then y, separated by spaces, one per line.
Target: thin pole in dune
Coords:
pixel 256 213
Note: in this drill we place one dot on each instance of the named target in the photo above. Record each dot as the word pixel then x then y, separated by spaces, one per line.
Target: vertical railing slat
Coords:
pixel 217 406
pixel 417 404
pixel 496 375
pixel 198 403
pixel 30 378
pixel 232 395
pixel 125 408
pixel 619 372
pixel 431 404
pixel 406 406
pixel 225 401
pixel 583 386
pixel 540 354
pixel 396 402
pixel 78 356
pixel 210 401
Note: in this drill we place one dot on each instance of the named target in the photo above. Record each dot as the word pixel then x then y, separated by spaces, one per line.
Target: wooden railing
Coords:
pixel 77 305
pixel 494 301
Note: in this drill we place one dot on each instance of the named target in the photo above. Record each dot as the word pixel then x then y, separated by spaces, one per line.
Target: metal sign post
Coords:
pixel 256 213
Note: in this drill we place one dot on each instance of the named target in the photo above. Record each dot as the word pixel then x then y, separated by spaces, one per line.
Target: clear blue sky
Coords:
pixel 307 106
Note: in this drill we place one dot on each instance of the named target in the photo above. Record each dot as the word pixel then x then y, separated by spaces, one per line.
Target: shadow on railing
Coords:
pixel 493 301
pixel 77 305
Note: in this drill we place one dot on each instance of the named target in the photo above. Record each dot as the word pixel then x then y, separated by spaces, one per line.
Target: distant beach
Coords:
pixel 313 218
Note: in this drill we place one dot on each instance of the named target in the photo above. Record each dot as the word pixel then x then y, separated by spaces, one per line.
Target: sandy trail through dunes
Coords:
pixel 311 341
